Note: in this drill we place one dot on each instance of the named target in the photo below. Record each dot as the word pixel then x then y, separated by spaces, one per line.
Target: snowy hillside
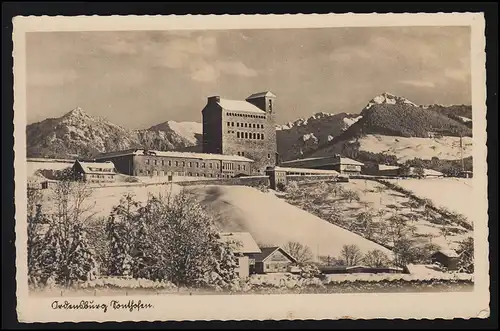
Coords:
pixel 239 208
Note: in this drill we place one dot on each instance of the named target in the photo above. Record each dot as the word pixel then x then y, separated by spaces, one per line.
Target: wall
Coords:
pixel 253 181
pixel 212 130
pixel 299 178
pixel 243 268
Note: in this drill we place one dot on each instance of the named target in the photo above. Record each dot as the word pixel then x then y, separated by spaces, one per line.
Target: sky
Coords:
pixel 141 78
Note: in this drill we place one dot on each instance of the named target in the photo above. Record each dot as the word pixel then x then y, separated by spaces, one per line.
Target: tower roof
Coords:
pixel 261 94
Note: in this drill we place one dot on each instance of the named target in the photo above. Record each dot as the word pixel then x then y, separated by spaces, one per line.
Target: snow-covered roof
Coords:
pixel 427 172
pixel 245 242
pixel 346 160
pixel 387 167
pixel 97 167
pixel 239 105
pixel 268 251
pixel 448 252
pixel 306 170
pixel 261 94
pixel 201 156
pixel 306 159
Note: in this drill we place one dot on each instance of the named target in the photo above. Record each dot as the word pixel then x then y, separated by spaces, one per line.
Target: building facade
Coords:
pixel 342 165
pixel 94 172
pixel 140 162
pixel 273 259
pixel 244 128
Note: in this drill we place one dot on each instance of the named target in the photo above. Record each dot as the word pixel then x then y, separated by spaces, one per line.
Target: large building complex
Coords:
pixel 239 138
pixel 242 127
pixel 141 162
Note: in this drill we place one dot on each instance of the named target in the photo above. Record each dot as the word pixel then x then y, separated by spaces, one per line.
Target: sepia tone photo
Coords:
pixel 203 165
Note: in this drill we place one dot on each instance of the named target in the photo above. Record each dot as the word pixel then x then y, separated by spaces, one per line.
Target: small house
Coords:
pixel 388 170
pixel 48 184
pixel 94 172
pixel 245 249
pixel 273 259
pixel 447 257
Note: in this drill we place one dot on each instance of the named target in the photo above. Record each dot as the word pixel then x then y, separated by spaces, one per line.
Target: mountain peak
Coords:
pixel 388 98
pixel 76 112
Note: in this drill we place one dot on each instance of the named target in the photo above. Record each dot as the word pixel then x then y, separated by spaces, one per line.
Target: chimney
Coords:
pixel 215 98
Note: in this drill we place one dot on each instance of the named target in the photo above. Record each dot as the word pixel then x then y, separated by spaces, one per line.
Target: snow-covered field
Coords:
pixel 272 221
pixel 454 194
pixel 446 148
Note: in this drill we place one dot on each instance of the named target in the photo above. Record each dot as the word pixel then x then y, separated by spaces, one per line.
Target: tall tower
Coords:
pixel 266 102
pixel 242 127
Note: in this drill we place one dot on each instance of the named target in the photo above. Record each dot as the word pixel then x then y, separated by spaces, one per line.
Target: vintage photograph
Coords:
pixel 162 163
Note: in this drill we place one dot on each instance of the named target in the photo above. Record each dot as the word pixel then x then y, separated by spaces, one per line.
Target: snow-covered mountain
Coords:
pixel 303 136
pixel 77 134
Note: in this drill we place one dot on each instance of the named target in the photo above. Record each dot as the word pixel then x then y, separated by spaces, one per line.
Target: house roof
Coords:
pixel 346 160
pixel 201 156
pixel 261 94
pixel 97 167
pixel 243 242
pixel 427 172
pixel 448 252
pixel 268 251
pixel 239 105
pixel 387 167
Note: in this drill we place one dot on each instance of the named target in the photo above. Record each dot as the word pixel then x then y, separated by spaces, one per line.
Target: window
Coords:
pixel 262 136
pixel 183 163
pixel 232 123
pixel 253 125
pixel 262 126
pixel 254 135
pixel 237 124
pixel 189 164
pixel 258 135
pixel 242 153
pixel 197 164
pixel 169 163
pixel 209 175
pixel 203 165
pixel 217 165
pixel 246 135
pixel 197 174
pixel 228 123
pixel 238 153
pixel 268 156
pixel 162 162
pixel 176 163
pixel 239 167
pixel 210 165
pixel 270 105
pixel 190 174
pixel 147 161
pixel 237 134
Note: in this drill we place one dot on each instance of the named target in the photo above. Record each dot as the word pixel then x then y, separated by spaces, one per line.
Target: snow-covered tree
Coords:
pixel 351 255
pixel 376 258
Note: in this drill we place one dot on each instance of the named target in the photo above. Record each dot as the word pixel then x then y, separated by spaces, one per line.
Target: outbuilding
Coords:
pixel 447 257
pixel 273 259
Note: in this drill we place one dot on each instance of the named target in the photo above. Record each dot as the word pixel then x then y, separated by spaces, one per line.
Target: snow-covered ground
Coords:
pixel 272 221
pixel 454 194
pixel 446 148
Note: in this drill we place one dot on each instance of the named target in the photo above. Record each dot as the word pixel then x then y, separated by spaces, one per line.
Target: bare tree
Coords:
pixel 300 252
pixel 380 189
pixel 351 255
pixel 376 258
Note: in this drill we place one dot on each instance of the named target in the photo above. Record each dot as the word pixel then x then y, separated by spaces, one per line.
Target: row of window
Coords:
pixel 246 115
pixel 246 125
pixel 243 154
pixel 229 166
pixel 101 169
pixel 101 176
pixel 250 135
pixel 183 163
pixel 190 174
